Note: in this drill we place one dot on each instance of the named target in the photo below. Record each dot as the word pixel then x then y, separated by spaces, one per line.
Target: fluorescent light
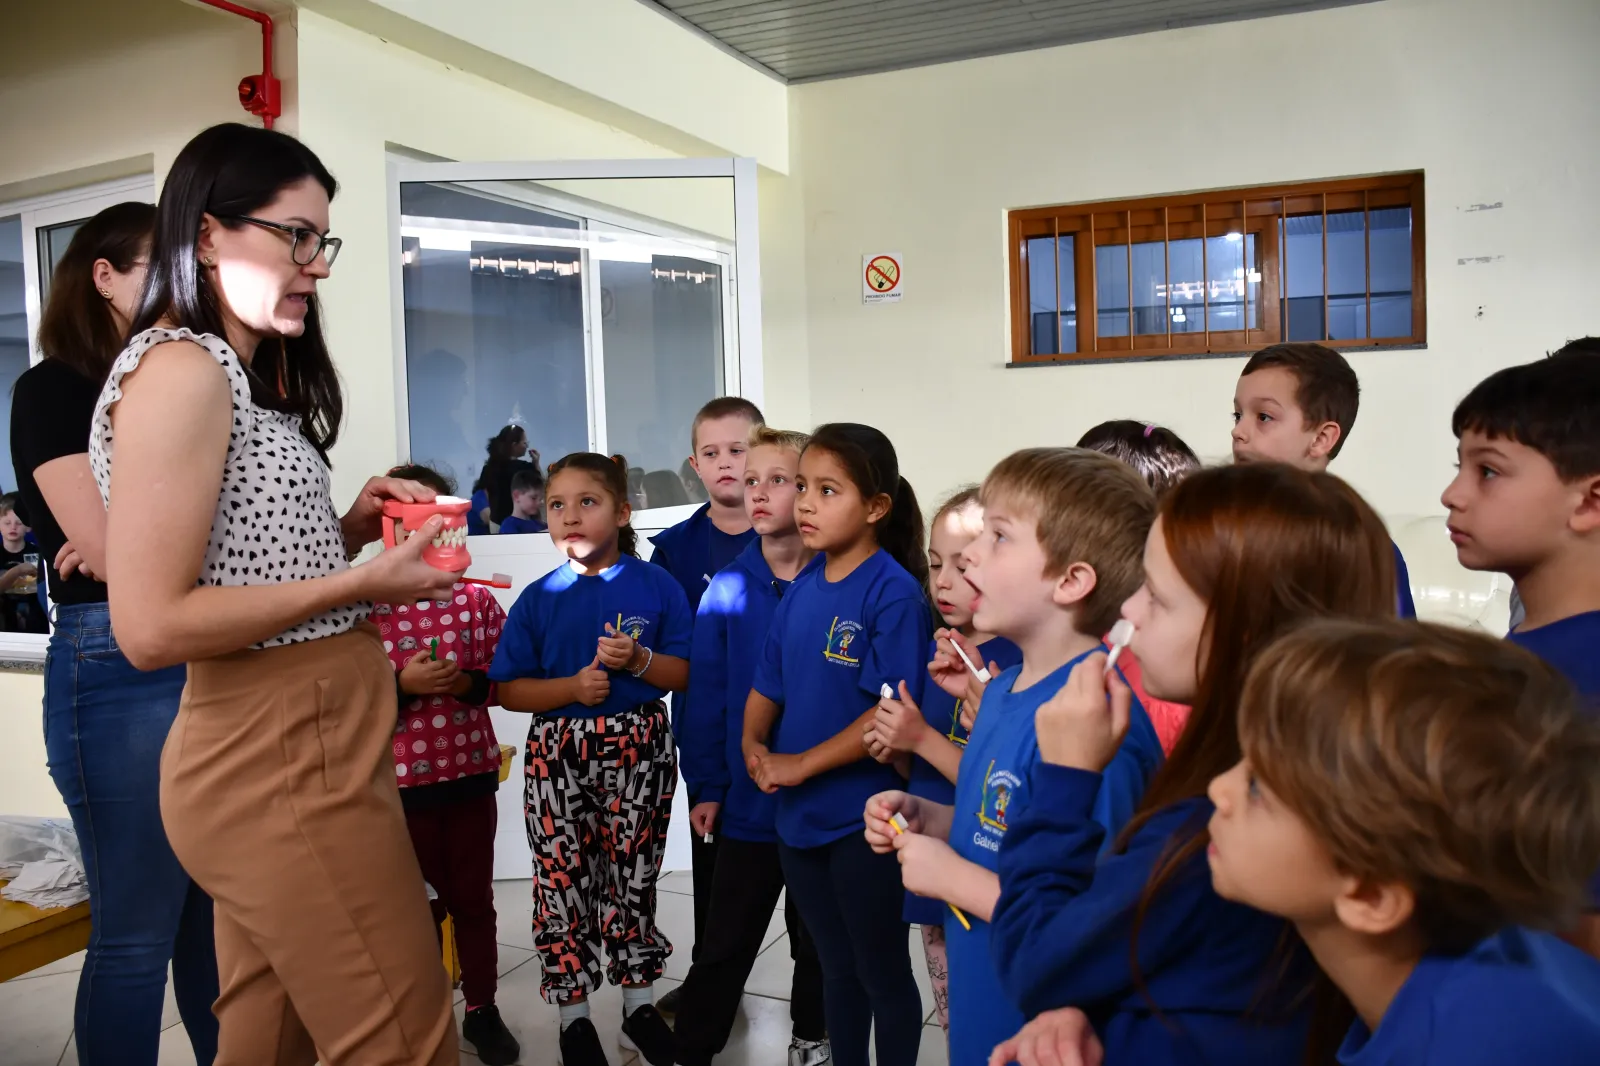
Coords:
pixel 439 240
pixel 1234 236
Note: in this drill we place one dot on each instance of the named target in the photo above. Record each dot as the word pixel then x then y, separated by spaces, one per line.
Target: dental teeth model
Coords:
pixel 448 550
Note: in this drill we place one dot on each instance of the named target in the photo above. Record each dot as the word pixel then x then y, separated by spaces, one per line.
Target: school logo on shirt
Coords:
pixel 843 646
pixel 635 626
pixel 999 788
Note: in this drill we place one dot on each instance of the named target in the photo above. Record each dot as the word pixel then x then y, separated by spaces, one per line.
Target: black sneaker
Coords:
pixel 646 1032
pixel 668 1004
pixel 489 1037
pixel 580 1045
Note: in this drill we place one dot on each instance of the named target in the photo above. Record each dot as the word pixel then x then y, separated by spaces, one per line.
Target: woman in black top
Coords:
pixel 104 721
pixel 507 452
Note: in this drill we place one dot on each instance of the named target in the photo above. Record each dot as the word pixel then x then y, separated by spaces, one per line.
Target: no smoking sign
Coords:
pixel 882 278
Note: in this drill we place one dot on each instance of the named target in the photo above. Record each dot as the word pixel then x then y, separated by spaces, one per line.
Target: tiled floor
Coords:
pixel 36 1009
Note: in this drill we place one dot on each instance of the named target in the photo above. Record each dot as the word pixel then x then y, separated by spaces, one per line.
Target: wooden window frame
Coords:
pixel 1261 210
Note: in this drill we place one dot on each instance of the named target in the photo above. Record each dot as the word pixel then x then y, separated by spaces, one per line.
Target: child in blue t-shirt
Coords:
pixel 1058 553
pixel 527 503
pixel 1526 502
pixel 591 650
pixel 730 633
pixel 1296 403
pixel 1168 971
pixel 1418 871
pixel 854 622
pixel 934 739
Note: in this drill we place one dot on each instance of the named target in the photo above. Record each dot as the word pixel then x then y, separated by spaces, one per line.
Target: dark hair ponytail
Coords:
pixel 613 474
pixel 226 171
pixel 871 462
pixel 78 327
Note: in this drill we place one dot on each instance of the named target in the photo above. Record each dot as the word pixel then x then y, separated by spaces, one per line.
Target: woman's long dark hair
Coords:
pixel 227 170
pixel 613 474
pixel 78 327
pixel 870 460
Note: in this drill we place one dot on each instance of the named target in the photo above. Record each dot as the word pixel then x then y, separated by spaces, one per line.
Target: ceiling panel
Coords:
pixel 808 40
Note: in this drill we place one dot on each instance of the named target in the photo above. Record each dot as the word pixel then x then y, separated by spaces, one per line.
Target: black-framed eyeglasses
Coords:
pixel 307 242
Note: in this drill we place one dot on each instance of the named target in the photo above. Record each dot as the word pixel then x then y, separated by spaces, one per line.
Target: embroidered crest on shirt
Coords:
pixel 635 626
pixel 842 640
pixel 999 788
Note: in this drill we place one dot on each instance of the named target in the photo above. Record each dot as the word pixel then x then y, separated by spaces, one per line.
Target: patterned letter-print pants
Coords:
pixel 597 798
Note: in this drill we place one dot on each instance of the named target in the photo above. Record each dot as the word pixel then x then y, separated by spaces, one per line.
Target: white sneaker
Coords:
pixel 809 1052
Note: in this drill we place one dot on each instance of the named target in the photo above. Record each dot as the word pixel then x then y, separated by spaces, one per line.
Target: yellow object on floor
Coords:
pixel 31 938
pixel 452 958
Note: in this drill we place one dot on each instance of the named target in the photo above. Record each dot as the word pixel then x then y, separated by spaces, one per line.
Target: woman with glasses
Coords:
pixel 104 720
pixel 224 551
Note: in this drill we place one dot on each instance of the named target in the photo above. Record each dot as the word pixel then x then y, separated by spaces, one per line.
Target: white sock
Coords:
pixel 571 1012
pixel 634 997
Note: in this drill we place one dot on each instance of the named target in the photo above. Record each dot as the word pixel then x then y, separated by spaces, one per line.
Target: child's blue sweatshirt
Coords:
pixel 695 549
pixel 1407 605
pixel 730 633
pixel 996 784
pixel 1572 646
pixel 942 712
pixel 1063 930
pixel 832 647
pixel 1518 997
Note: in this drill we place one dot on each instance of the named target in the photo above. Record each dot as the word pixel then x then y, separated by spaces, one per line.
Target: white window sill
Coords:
pixel 23 652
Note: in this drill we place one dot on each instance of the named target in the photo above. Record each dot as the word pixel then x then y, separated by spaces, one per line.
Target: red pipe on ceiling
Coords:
pixel 260 94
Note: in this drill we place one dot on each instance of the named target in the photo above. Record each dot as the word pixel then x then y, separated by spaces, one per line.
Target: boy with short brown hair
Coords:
pixel 1418 800
pixel 1296 403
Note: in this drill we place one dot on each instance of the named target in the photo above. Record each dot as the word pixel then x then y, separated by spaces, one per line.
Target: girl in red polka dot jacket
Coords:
pixel 447 764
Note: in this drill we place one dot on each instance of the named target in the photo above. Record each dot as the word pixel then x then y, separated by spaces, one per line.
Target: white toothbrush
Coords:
pixel 1121 633
pixel 979 672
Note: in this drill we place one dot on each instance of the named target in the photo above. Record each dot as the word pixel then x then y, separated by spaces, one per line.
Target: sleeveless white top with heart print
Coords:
pixel 275 520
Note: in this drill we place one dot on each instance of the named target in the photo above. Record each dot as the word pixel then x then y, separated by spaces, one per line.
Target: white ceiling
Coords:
pixel 810 40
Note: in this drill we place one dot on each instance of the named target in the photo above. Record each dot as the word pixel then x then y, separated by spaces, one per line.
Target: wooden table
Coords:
pixel 31 938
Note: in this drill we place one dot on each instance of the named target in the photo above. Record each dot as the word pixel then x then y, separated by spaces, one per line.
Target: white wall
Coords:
pixel 361 95
pixel 86 83
pixel 94 89
pixel 1496 102
pixel 620 61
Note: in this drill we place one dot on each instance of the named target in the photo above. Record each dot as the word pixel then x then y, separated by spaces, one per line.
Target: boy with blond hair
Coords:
pixel 729 635
pixel 1061 549
pixel 694 550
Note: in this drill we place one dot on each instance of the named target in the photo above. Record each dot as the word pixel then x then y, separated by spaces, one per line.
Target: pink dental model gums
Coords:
pixel 449 549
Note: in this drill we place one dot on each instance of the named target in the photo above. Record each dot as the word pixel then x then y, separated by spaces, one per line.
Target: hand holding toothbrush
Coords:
pixel 955 666
pixel 616 649
pixel 1083 725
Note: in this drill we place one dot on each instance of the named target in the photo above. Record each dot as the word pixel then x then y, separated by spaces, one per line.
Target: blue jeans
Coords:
pixel 104 725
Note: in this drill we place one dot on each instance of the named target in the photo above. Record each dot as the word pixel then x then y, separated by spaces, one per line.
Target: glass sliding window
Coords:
pixel 597 314
pixel 1232 270
pixel 1389 271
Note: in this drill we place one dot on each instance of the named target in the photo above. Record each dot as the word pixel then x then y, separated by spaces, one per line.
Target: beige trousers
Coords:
pixel 278 795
